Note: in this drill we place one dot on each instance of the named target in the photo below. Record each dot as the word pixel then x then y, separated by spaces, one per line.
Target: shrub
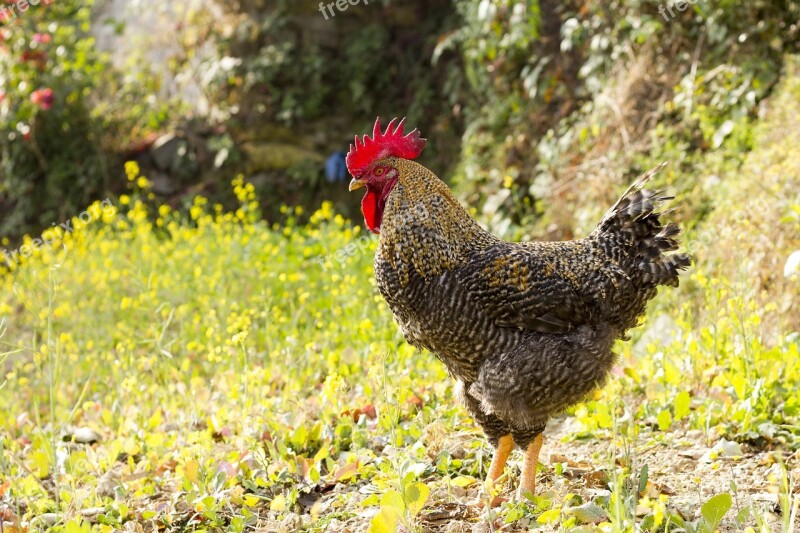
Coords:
pixel 63 114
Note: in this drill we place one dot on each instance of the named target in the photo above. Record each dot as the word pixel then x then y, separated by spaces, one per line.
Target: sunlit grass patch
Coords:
pixel 207 370
pixel 218 360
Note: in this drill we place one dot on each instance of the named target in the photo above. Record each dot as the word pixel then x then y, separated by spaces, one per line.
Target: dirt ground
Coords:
pixel 681 466
pixel 685 468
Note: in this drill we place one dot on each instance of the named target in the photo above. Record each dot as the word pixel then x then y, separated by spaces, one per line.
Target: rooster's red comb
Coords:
pixel 393 142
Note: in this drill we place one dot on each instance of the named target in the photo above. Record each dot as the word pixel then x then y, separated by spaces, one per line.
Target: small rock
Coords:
pixel 91 512
pixel 767 500
pixel 82 435
pixel 458 527
pixel 170 427
pixel 685 464
pixel 45 519
pixel 277 156
pixel 457 452
pixel 379 442
pixel 133 527
pixel 792 266
pixel 107 485
pixel 588 513
pixel 165 150
pixel 291 522
pixel 596 479
pixel 389 451
pixel 594 494
pixel 729 448
pixel 691 454
pixel 723 448
pixel 694 434
pixel 335 525
pixel 481 527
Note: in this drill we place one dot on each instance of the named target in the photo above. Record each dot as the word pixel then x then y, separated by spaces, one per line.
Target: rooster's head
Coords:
pixel 370 162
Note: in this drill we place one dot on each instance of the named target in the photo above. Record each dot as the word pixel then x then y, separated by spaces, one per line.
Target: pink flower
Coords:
pixel 43 98
pixel 42 38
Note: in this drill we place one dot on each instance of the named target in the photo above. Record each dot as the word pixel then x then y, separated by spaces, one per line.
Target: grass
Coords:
pixel 235 381
pixel 209 372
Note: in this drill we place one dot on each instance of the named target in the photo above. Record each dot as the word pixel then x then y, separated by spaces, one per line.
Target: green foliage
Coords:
pixel 714 510
pixel 58 122
pixel 593 83
pixel 545 98
pixel 238 373
pixel 284 66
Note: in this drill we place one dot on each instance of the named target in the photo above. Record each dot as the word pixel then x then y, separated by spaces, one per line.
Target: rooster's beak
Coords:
pixel 356 183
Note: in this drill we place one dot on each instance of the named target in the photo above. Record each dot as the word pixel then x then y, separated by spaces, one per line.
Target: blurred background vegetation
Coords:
pixel 525 101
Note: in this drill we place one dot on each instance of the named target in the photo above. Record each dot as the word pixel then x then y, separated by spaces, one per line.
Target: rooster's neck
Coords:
pixel 425 228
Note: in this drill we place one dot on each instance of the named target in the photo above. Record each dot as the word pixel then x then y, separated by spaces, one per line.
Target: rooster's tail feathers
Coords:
pixel 632 204
pixel 631 232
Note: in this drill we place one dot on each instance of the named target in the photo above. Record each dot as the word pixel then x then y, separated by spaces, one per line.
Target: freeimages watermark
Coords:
pixel 341 6
pixel 364 242
pixel 669 7
pixel 17 8
pixel 358 246
pixel 53 235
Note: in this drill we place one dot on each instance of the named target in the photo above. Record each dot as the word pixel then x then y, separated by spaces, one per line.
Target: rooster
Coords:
pixel 526 329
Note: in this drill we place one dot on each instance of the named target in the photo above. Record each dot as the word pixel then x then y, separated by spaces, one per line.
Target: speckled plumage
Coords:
pixel 526 329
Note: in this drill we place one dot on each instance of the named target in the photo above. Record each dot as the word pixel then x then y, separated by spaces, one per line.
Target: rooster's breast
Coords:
pixel 438 314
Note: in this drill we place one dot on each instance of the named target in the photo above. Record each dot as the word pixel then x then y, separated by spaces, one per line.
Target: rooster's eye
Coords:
pixel 379 171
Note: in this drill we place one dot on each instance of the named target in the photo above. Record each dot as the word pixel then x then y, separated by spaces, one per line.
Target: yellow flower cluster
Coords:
pixel 150 313
pixel 232 360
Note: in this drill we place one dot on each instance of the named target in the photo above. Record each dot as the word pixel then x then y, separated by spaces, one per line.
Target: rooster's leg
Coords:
pixel 528 481
pixel 504 447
